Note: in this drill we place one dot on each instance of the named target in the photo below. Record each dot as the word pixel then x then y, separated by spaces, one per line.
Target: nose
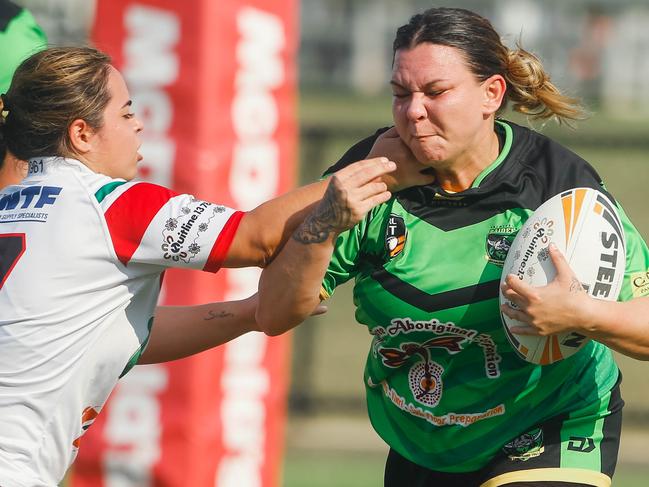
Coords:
pixel 138 125
pixel 416 110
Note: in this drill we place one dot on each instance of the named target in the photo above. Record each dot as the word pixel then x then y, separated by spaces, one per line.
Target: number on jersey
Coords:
pixel 12 247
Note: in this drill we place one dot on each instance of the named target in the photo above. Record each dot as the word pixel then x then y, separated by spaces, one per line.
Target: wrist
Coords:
pixel 249 311
pixel 591 316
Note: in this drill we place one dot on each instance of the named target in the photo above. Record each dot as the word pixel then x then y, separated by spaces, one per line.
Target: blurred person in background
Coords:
pixel 445 389
pixel 20 36
pixel 83 249
pixel 587 58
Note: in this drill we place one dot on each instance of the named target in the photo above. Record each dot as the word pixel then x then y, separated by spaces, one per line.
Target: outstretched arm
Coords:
pixel 563 305
pixel 289 287
pixel 264 230
pixel 180 331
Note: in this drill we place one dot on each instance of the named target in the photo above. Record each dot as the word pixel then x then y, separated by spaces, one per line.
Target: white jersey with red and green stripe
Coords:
pixel 81 260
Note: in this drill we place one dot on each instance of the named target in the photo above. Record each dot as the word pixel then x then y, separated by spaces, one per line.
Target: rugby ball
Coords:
pixel 584 225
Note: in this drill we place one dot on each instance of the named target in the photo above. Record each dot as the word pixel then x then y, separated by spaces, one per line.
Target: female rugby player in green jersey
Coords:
pixel 444 388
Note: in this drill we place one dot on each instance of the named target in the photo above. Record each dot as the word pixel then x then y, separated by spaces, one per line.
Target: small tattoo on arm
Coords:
pixel 575 286
pixel 211 315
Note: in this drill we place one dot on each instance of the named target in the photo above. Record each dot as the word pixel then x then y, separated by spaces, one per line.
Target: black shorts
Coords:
pixel 576 449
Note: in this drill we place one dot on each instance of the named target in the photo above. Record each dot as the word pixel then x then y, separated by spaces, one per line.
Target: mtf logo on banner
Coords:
pixel 214 83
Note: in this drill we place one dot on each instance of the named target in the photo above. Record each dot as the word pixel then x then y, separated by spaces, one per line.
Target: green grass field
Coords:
pixel 349 469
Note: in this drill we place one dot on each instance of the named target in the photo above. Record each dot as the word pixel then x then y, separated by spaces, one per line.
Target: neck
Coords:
pixel 12 171
pixel 459 174
pixel 83 159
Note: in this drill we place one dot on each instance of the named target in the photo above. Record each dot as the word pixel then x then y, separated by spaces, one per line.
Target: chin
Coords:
pixel 426 155
pixel 429 159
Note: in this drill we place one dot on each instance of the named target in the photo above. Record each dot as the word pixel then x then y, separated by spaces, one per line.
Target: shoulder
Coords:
pixel 129 196
pixel 356 152
pixel 532 148
pixel 555 166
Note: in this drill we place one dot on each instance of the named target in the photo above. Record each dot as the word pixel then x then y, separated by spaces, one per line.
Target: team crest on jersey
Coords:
pixel 499 240
pixel 425 377
pixel 526 446
pixel 395 235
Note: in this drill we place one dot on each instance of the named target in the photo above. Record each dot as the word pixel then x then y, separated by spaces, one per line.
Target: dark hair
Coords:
pixel 528 85
pixel 49 90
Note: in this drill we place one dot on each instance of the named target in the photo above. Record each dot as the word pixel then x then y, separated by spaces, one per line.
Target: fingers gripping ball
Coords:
pixel 584 225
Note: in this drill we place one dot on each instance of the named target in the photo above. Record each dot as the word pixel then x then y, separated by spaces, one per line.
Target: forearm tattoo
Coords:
pixel 211 315
pixel 328 216
pixel 312 230
pixel 575 286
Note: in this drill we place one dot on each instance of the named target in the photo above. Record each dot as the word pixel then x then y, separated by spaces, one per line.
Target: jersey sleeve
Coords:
pixel 343 264
pixel 151 224
pixel 636 276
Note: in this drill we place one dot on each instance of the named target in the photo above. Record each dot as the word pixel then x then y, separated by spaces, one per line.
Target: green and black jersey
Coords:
pixel 444 387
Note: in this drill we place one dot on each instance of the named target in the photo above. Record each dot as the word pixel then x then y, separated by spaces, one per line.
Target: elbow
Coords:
pixel 273 332
pixel 266 255
pixel 264 250
pixel 270 324
pixel 273 321
pixel 272 329
pixel 642 355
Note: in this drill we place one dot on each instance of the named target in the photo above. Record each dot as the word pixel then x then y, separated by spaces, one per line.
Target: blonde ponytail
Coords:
pixel 532 93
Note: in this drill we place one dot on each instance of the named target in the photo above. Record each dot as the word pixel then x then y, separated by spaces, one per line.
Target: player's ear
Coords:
pixel 494 91
pixel 82 136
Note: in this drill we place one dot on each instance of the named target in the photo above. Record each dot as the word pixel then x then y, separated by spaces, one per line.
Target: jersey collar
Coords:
pixel 40 166
pixel 506 131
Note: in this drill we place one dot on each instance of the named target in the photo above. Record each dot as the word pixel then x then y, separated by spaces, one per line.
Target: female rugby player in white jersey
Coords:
pixel 82 249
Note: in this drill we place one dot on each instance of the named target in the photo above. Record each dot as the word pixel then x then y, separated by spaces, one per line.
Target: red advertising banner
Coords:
pixel 214 83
